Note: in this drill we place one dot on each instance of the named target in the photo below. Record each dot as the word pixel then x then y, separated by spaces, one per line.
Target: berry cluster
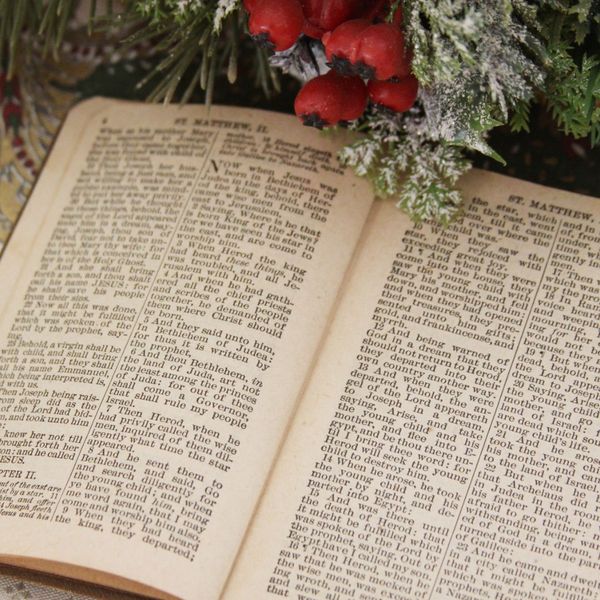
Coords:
pixel 360 46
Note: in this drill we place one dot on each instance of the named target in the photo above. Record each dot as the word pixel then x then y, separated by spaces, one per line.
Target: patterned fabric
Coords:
pixel 33 104
pixel 35 101
pixel 17 585
pixel 14 588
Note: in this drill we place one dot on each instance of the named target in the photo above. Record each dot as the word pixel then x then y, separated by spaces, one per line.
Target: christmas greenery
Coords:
pixel 480 64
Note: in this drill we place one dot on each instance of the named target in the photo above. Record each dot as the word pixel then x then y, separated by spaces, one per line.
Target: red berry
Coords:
pixel 358 47
pixel 379 10
pixel 398 96
pixel 312 30
pixel 328 14
pixel 276 24
pixel 341 45
pixel 311 8
pixel 336 12
pixel 355 98
pixel 381 54
pixel 331 98
pixel 376 10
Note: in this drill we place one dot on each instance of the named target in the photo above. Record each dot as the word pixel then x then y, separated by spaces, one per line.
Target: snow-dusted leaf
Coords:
pixel 223 10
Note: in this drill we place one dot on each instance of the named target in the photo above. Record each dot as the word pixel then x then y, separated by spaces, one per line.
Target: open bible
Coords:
pixel 227 372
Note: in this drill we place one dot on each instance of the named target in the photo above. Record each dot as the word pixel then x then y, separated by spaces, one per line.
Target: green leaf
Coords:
pixel 591 91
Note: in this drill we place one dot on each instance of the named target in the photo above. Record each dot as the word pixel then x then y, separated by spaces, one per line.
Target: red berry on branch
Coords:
pixel 312 30
pixel 341 45
pixel 358 47
pixel 355 98
pixel 328 14
pixel 329 99
pixel 376 10
pixel 398 97
pixel 336 12
pixel 381 53
pixel 276 24
pixel 311 9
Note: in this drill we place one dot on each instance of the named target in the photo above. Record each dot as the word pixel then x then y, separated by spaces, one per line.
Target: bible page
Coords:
pixel 174 271
pixel 448 442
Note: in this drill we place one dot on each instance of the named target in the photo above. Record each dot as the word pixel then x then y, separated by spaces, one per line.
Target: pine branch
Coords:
pixel 13 21
pixel 196 39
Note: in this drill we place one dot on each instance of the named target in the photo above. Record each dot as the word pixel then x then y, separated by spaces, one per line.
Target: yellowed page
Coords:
pixel 448 442
pixel 163 298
